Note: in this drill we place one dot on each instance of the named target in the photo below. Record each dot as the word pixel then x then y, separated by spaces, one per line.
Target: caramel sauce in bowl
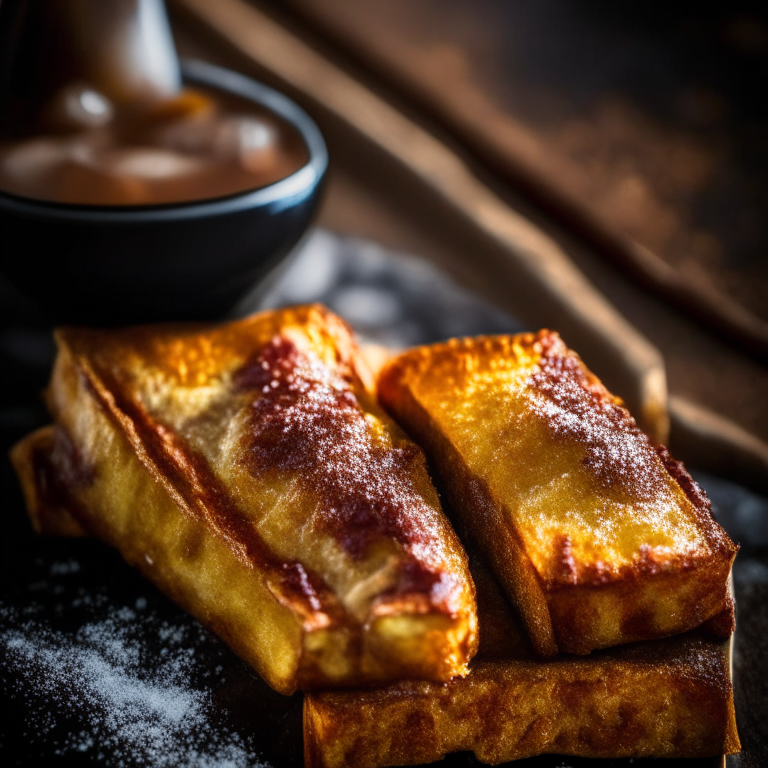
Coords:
pixel 152 221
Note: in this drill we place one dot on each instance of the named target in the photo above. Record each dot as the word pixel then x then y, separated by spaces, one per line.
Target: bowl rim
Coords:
pixel 283 193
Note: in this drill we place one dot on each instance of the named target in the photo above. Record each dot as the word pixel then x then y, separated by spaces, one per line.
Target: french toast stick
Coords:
pixel 665 698
pixel 599 537
pixel 249 472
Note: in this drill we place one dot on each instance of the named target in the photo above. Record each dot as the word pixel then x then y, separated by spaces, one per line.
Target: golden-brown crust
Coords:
pixel 717 538
pixel 512 710
pixel 599 537
pixel 277 410
pixel 665 698
pixel 49 505
pixel 722 625
pixel 167 456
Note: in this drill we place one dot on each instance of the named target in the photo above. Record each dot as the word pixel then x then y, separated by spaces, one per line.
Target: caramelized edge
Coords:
pixel 188 479
pixel 411 365
pixel 536 612
pixel 50 508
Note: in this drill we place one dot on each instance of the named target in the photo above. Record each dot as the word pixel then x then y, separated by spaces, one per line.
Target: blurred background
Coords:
pixel 634 135
pixel 638 129
pixel 651 116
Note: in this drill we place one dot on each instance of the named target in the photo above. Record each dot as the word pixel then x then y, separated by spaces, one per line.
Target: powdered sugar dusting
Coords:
pixel 138 704
pixel 306 420
pixel 575 407
pixel 584 488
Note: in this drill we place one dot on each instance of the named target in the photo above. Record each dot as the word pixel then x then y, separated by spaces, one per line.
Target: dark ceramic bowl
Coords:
pixel 103 265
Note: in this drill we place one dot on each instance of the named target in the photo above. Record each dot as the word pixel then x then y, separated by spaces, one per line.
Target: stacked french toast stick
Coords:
pixel 261 476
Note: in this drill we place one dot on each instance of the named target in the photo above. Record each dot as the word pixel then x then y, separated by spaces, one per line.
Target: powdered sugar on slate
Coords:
pixel 137 704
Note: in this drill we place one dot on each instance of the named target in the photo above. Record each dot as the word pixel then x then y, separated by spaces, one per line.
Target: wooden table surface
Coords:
pixel 701 365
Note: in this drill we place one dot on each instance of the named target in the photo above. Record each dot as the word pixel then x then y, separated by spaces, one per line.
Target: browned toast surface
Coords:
pixel 662 698
pixel 599 537
pixel 248 470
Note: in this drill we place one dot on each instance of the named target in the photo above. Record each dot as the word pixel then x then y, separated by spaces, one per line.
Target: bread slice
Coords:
pixel 248 471
pixel 665 698
pixel 599 537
